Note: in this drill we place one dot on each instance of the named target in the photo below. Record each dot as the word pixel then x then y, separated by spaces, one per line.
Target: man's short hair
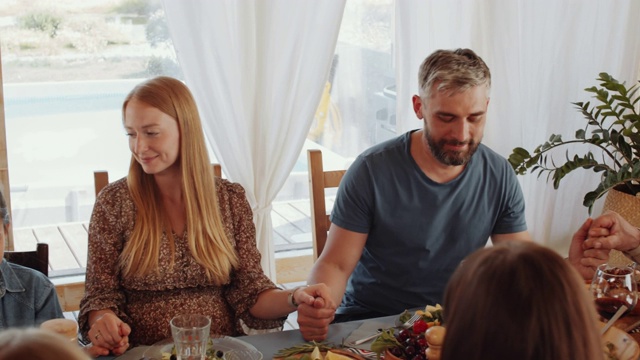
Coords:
pixel 452 71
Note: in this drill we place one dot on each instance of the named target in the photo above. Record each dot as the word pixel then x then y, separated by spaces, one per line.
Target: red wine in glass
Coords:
pixel 608 306
pixel 612 287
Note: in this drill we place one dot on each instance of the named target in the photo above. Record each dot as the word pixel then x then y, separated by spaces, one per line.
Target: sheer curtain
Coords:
pixel 257 70
pixel 542 55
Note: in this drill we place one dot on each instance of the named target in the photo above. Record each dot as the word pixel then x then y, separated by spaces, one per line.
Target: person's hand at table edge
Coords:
pixel 585 260
pixel 316 310
pixel 108 331
pixel 94 351
pixel 611 231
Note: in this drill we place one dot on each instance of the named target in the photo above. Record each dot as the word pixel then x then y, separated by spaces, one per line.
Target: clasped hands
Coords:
pixel 591 244
pixel 108 334
pixel 316 310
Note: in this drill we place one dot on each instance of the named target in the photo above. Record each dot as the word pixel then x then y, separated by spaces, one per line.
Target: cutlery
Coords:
pixel 407 324
pixel 633 327
pixel 368 338
pixel 613 319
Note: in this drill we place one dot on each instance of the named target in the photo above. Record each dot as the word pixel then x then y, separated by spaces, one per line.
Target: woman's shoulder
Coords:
pixel 116 189
pixel 228 188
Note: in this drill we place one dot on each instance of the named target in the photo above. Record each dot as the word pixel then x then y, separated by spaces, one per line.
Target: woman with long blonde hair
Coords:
pixel 171 238
pixel 519 300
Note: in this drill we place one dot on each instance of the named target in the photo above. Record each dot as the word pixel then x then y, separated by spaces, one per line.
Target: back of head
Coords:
pixel 519 301
pixel 452 71
pixel 37 344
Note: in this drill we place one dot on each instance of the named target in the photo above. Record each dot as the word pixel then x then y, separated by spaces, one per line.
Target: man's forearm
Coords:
pixel 332 276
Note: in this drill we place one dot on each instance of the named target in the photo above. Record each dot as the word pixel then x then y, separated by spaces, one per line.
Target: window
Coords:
pixel 68 65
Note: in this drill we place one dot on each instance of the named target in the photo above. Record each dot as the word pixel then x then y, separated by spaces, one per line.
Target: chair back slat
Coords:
pixel 332 178
pixel 319 180
pixel 217 170
pixel 100 180
pixel 37 259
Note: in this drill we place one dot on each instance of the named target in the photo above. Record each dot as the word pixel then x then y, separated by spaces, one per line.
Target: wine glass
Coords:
pixel 612 287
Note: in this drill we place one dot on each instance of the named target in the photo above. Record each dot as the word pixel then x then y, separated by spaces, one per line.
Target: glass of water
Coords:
pixel 190 334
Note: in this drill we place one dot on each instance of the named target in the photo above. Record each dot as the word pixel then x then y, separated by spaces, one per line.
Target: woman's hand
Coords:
pixel 585 259
pixel 109 332
pixel 611 231
pixel 312 294
pixel 315 312
pixel 94 350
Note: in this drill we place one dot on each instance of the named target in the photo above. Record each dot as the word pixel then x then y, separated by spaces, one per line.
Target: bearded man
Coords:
pixel 410 209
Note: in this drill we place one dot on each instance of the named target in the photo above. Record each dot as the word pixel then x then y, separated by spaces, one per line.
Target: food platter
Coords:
pixel 343 353
pixel 233 349
pixel 624 346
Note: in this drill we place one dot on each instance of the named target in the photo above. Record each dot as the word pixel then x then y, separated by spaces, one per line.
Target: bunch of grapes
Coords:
pixel 413 342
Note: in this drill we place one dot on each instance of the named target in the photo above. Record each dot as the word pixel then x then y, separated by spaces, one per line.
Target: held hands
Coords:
pixel 583 258
pixel 591 243
pixel 316 310
pixel 612 231
pixel 109 333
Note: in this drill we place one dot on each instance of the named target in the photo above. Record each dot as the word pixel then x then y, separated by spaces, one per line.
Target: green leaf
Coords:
pixel 555 138
pixel 632 117
pixel 620 98
pixel 522 152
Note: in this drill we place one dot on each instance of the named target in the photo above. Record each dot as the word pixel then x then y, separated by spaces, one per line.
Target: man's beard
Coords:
pixel 452 158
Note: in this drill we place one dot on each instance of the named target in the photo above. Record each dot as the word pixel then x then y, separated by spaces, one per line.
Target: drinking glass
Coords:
pixel 612 287
pixel 190 334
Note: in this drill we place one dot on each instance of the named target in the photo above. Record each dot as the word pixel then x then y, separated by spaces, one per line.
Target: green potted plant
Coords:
pixel 612 131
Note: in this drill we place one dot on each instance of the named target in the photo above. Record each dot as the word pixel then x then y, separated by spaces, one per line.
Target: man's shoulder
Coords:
pixel 18 277
pixel 25 273
pixel 396 145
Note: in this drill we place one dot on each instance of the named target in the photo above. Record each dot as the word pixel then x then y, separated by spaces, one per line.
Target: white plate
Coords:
pixel 233 349
pixel 627 348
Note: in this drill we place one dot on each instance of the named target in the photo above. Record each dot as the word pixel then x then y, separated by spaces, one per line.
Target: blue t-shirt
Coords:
pixel 419 230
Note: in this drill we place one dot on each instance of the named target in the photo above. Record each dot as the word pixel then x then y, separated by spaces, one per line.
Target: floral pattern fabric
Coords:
pixel 148 303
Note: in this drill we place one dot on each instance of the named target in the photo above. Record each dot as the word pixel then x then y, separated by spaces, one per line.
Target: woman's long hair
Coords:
pixel 206 234
pixel 519 301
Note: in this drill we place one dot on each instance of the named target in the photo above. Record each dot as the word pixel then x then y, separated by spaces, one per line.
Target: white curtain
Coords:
pixel 257 70
pixel 542 54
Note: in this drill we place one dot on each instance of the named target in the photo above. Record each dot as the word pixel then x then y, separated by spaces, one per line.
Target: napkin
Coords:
pixel 368 328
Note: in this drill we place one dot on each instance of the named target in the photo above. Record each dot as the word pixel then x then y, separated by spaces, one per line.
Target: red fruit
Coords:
pixel 420 326
pixel 403 335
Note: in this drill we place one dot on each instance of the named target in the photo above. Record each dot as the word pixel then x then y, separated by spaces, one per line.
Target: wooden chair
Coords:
pixel 37 259
pixel 101 177
pixel 319 180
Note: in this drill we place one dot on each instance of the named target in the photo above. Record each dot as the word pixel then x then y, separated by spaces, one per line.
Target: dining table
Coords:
pixel 270 343
pixel 343 333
